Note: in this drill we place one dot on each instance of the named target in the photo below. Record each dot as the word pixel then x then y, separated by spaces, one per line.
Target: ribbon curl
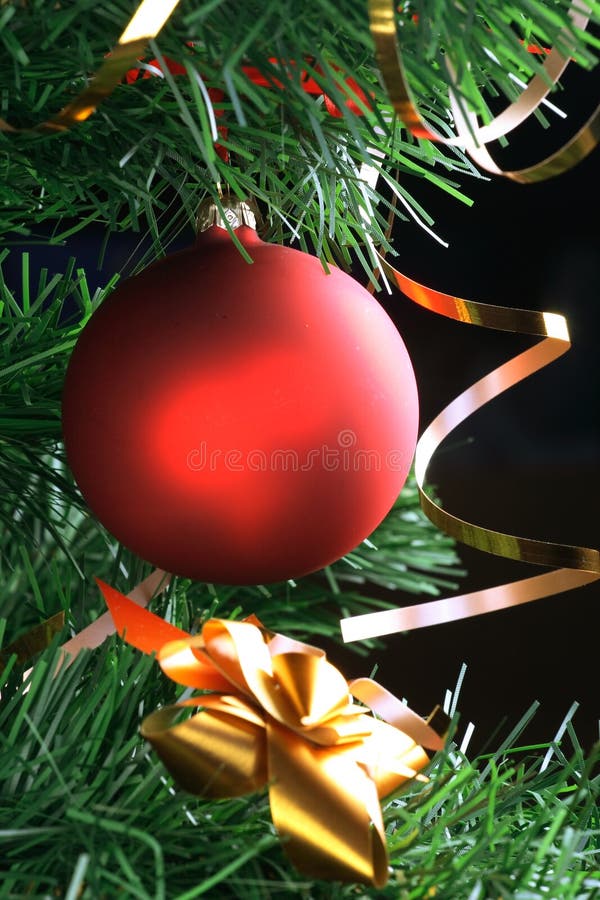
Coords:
pixel 572 566
pixel 470 135
pixel 280 715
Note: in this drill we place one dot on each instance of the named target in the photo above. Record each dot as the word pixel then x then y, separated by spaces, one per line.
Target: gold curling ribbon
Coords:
pixel 470 135
pixel 145 24
pixel 280 715
pixel 576 566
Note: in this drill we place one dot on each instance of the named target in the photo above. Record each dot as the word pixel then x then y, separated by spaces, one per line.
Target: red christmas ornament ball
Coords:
pixel 237 423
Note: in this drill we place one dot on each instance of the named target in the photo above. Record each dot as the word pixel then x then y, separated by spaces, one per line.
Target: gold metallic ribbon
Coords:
pixel 145 24
pixel 577 565
pixel 280 715
pixel 470 135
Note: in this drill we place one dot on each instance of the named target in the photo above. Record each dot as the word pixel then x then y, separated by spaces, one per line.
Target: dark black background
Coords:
pixel 528 462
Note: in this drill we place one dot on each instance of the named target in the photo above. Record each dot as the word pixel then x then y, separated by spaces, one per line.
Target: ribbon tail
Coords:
pixel 137 626
pixel 326 809
pixel 398 714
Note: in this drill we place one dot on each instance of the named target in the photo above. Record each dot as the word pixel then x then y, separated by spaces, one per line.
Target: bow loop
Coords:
pixel 218 752
pixel 187 663
pixel 239 651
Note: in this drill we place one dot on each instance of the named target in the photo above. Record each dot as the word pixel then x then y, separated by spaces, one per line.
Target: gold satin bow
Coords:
pixel 282 716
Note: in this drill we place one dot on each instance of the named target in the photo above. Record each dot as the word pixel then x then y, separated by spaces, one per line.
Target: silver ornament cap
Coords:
pixel 231 213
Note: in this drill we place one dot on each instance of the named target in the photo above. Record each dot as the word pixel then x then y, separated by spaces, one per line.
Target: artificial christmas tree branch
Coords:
pixel 226 106
pixel 284 146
